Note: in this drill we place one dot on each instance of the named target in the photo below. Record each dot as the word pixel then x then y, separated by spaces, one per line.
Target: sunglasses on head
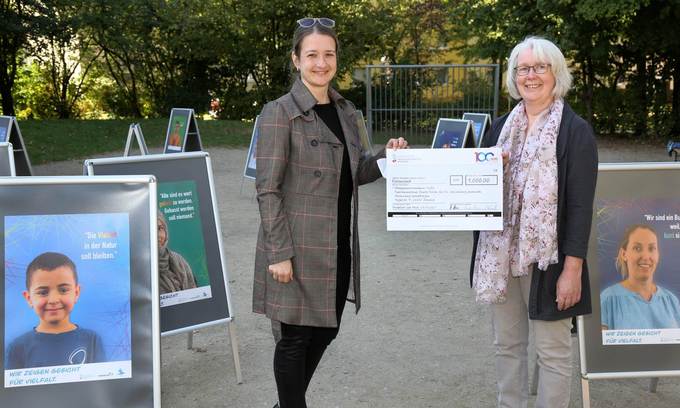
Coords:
pixel 308 22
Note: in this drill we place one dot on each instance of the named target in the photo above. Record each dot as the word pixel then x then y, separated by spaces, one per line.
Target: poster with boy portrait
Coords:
pixel 67 298
pixel 79 294
pixel 638 251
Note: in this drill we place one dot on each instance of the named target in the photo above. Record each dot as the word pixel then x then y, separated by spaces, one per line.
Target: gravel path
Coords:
pixel 419 341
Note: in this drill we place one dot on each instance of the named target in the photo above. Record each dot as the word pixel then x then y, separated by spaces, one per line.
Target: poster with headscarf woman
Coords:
pixel 638 251
pixel 182 264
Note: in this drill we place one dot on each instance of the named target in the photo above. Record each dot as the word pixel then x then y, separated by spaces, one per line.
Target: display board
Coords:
pixel 182 134
pixel 192 272
pixel 6 160
pixel 5 123
pixel 480 122
pixel 452 134
pixel 634 248
pixel 86 244
pixel 135 133
pixel 250 169
pixel 364 137
pixel 10 132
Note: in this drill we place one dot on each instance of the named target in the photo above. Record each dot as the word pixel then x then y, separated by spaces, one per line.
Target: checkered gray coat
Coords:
pixel 298 174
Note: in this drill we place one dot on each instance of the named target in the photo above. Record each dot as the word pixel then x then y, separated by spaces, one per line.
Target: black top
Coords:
pixel 329 115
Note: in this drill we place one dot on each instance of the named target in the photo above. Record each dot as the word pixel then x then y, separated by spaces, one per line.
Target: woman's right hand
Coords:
pixel 282 272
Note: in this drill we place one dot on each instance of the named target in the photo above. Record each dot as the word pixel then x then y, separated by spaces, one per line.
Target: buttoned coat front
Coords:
pixel 299 162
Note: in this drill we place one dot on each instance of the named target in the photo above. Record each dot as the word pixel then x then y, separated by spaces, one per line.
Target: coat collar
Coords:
pixel 304 99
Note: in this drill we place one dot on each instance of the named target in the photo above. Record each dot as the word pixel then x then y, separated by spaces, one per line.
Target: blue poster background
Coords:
pixel 614 216
pixel 99 245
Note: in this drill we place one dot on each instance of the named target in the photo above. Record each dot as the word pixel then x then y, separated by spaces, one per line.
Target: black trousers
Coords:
pixel 300 349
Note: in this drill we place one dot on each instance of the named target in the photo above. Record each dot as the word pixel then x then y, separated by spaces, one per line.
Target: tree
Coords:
pixel 623 53
pixel 66 52
pixel 19 21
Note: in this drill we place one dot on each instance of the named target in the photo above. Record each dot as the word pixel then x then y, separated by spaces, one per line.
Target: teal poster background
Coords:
pixel 179 203
pixel 177 129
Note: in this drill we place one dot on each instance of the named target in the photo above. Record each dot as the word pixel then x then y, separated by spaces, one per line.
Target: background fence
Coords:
pixel 407 100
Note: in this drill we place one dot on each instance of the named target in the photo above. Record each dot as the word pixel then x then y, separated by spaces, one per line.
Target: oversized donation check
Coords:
pixel 444 189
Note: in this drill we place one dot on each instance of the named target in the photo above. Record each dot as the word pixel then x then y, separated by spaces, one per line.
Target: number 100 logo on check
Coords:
pixel 473 180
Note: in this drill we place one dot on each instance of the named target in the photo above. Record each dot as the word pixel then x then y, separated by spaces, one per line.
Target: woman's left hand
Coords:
pixel 569 283
pixel 400 143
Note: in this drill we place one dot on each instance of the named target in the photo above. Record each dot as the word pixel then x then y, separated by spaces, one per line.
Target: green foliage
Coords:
pixel 20 18
pixel 624 54
pixel 140 58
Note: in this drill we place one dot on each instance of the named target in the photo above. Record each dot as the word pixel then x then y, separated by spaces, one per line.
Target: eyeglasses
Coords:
pixel 308 22
pixel 538 69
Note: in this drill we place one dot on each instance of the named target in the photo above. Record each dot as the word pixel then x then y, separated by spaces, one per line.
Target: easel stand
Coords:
pixel 653 381
pixel 135 132
pixel 233 339
pixel 586 376
pixel 183 134
pixel 22 163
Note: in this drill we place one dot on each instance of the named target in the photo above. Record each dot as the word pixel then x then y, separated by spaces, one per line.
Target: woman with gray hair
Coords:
pixel 534 269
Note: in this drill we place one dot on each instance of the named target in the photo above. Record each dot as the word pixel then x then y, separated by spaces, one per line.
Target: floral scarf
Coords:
pixel 529 232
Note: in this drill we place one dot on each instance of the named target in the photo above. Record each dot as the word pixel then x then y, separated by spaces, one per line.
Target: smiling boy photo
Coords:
pixel 52 291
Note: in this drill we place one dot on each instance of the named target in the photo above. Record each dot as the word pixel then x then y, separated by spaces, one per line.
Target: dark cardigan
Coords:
pixel 577 175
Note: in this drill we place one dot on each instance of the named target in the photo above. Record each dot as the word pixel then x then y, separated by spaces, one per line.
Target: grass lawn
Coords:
pixel 55 140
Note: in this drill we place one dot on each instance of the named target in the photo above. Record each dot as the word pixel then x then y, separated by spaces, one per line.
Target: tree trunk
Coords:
pixel 675 112
pixel 7 100
pixel 7 74
pixel 640 92
pixel 588 92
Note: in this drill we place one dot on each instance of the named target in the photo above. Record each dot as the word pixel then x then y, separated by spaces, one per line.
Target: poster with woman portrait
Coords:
pixel 182 264
pixel 191 264
pixel 638 254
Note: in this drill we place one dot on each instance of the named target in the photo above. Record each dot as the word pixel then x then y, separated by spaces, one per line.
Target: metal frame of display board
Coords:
pixel 229 318
pixel 249 172
pixel 638 358
pixel 22 163
pixel 135 131
pixel 190 138
pixel 143 285
pixel 484 121
pixel 364 136
pixel 459 125
pixel 6 148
